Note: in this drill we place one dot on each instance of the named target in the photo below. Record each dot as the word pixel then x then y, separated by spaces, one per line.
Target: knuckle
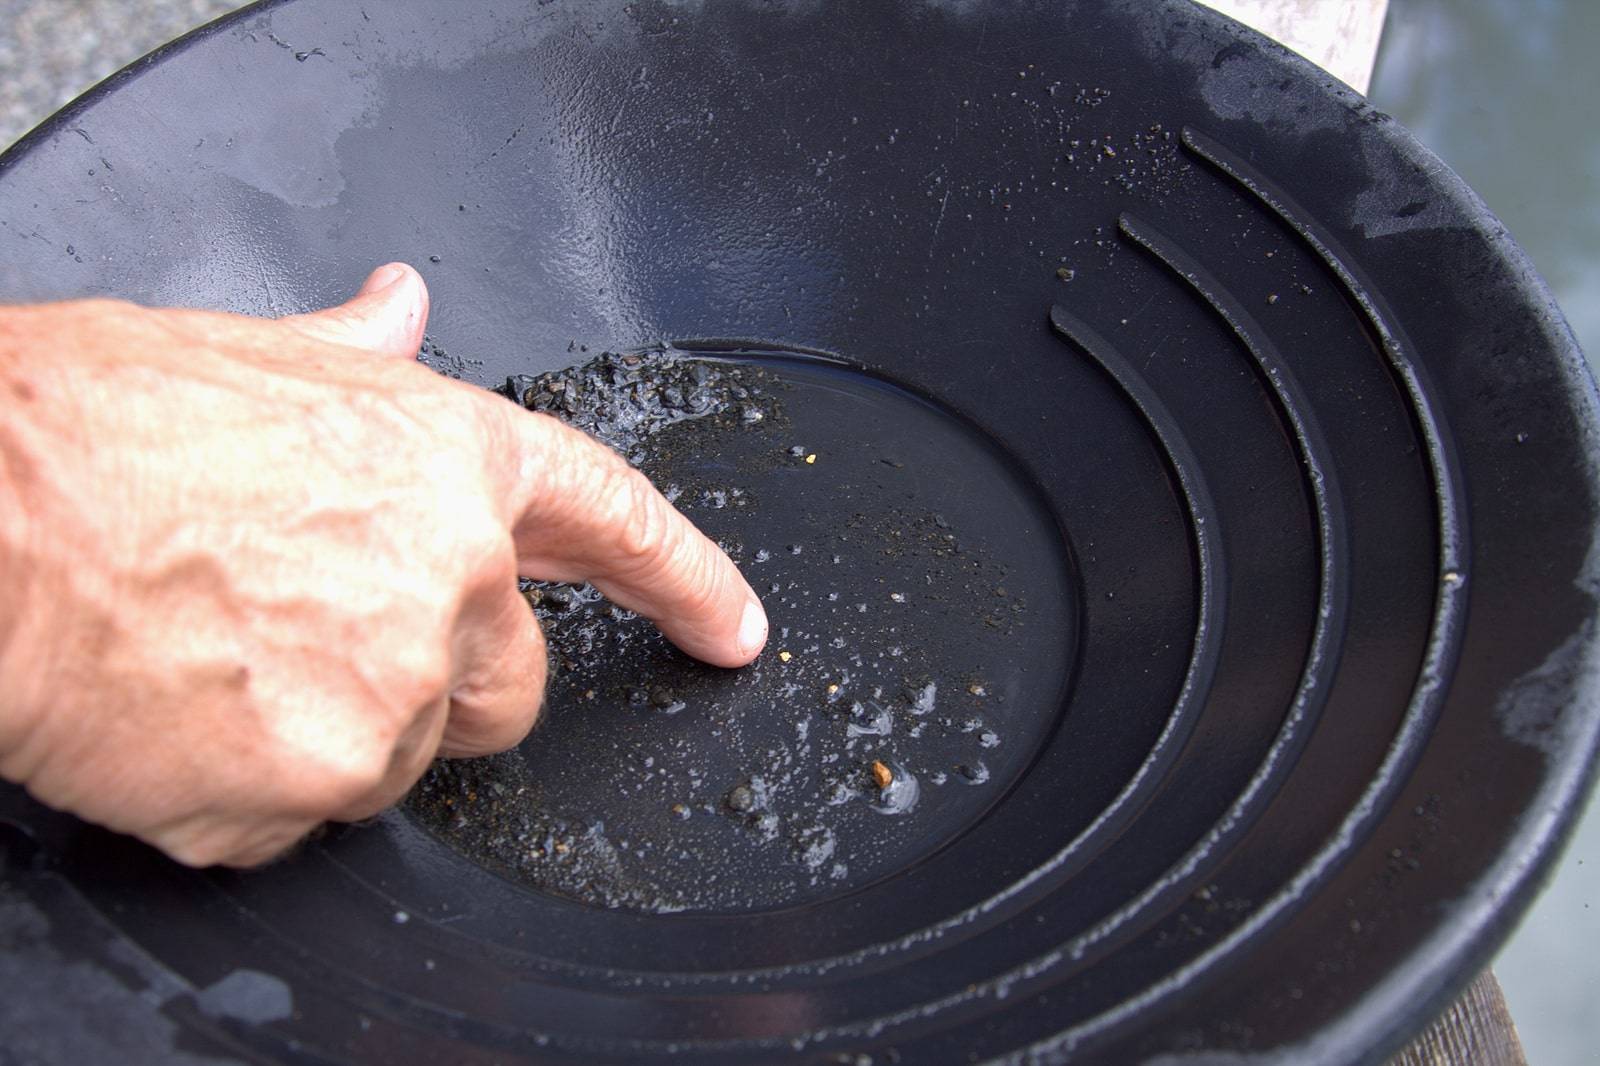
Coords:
pixel 197 851
pixel 705 587
pixel 267 845
pixel 356 762
pixel 499 711
pixel 647 532
pixel 347 772
pixel 493 425
pixel 492 557
pixel 423 684
pixel 340 768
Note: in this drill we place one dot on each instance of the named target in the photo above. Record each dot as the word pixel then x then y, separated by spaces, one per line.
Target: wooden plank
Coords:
pixel 1477 1030
pixel 1340 36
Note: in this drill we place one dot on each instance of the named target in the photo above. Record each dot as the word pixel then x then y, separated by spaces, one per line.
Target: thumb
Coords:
pixel 386 315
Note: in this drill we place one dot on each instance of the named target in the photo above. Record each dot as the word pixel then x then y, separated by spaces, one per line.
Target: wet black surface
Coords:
pixel 891 545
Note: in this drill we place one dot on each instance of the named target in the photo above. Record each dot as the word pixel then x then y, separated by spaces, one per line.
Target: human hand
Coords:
pixel 256 574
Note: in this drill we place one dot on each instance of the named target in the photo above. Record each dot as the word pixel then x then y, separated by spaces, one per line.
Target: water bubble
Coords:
pixel 871 721
pixel 974 773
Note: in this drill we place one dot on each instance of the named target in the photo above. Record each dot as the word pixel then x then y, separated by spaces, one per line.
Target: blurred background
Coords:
pixel 1505 91
pixel 1508 93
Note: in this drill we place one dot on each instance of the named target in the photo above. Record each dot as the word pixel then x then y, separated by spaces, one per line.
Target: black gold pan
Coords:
pixel 1233 468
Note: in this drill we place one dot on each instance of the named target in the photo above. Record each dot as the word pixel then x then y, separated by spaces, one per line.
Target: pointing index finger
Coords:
pixel 581 513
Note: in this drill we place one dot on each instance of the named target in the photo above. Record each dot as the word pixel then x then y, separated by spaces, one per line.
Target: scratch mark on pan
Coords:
pixel 940 220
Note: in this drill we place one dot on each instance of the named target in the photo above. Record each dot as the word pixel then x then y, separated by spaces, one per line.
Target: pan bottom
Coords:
pixel 921 629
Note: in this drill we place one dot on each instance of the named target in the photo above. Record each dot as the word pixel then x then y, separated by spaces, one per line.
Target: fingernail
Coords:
pixel 752 629
pixel 382 278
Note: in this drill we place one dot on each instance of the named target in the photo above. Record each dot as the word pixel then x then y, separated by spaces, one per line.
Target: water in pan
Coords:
pixel 921 637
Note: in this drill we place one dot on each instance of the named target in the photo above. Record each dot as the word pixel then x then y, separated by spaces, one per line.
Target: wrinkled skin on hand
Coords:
pixel 258 573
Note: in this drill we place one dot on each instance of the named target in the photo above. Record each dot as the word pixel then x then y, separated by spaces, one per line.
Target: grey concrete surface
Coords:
pixel 1505 91
pixel 53 50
